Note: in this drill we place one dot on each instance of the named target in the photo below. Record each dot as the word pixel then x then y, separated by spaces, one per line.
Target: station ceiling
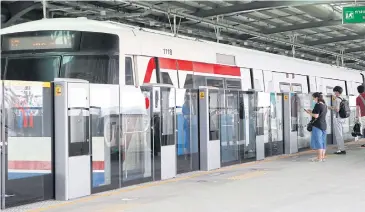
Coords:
pixel 314 28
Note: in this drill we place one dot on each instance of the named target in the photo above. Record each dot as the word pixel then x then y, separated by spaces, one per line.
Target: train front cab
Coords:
pixel 119 148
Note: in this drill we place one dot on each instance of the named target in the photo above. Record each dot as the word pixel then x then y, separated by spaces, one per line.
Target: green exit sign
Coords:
pixel 353 15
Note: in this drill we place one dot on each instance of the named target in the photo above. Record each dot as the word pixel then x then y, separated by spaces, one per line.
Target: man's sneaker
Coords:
pixel 339 152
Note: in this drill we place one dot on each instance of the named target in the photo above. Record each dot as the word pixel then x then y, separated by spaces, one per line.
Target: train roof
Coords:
pixel 84 24
pixel 75 24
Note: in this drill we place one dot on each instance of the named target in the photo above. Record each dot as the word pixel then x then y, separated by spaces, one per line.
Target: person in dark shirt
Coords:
pixel 319 134
pixel 360 109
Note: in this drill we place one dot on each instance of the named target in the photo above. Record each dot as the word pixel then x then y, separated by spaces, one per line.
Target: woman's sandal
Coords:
pixel 315 160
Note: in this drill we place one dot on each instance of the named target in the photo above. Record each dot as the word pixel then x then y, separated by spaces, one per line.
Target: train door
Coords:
pixel 269 81
pixel 163 130
pixel 229 126
pixel 312 84
pixel 276 141
pixel 246 79
pixel 305 102
pixel 258 80
pixel 108 135
pixel 2 144
pixel 187 134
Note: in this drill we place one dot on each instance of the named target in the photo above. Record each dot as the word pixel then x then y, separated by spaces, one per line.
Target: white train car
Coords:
pixel 111 53
pixel 183 62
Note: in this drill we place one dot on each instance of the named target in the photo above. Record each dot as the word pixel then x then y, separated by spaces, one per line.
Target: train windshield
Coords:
pixel 32 69
pixel 93 68
pixel 45 55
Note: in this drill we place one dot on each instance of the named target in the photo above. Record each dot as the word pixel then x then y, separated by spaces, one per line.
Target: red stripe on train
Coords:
pixel 184 65
pixel 44 165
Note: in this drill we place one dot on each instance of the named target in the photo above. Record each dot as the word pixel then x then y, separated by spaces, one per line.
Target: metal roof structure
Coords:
pixel 310 30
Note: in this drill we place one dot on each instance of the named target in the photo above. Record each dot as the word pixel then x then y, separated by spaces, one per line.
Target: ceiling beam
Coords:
pixel 238 29
pixel 295 27
pixel 255 5
pixel 334 40
pixel 23 9
pixel 356 49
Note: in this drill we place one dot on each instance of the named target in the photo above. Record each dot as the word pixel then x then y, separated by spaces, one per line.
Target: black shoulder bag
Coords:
pixel 310 124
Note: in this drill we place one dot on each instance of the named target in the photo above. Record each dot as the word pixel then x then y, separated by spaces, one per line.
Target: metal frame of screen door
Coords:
pixel 2 150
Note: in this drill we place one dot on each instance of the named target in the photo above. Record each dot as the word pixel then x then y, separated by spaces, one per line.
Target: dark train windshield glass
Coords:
pixel 32 69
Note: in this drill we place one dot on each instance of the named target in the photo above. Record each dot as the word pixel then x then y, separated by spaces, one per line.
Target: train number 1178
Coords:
pixel 167 51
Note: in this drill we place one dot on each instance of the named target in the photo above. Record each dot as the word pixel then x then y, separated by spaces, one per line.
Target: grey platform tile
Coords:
pixel 336 185
pixel 29 207
pixel 286 185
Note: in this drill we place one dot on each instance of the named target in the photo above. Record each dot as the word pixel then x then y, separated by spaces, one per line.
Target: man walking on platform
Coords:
pixel 338 121
pixel 360 109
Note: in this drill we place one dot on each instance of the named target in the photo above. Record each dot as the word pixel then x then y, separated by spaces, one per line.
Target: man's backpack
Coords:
pixel 344 109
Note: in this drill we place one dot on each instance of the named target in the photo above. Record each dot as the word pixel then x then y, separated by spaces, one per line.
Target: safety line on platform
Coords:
pixel 248 175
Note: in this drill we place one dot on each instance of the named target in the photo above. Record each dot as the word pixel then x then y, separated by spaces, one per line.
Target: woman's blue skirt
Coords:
pixel 318 139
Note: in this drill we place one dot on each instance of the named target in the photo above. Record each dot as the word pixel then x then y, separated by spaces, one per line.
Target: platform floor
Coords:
pixel 278 184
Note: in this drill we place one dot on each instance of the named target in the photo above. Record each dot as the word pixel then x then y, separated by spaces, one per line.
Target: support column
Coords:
pixel 174 26
pixel 217 29
pixel 44 6
pixel 293 39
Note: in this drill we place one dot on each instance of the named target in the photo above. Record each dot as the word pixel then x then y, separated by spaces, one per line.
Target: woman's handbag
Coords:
pixel 310 125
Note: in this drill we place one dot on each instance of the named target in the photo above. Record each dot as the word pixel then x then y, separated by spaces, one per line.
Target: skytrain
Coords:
pixel 127 57
pixel 112 53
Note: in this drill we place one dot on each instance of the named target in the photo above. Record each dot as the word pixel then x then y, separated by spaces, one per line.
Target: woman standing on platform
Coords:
pixel 319 134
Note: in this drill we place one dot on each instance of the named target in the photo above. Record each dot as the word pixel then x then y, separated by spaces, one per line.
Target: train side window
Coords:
pixel 284 87
pixel 329 90
pixel 297 88
pixel 166 78
pixel 129 77
pixel 233 84
pixel 199 81
pixel 189 81
pixel 218 83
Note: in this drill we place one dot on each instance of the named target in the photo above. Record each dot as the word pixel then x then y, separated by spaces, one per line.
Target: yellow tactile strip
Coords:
pixel 248 175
